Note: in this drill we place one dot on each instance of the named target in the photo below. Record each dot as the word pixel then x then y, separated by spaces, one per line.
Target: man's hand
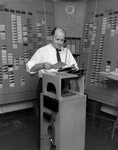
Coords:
pixel 74 68
pixel 48 65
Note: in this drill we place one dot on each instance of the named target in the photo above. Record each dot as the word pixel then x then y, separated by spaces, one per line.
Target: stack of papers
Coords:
pixel 59 65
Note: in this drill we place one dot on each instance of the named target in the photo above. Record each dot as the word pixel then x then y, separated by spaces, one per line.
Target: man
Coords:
pixel 46 56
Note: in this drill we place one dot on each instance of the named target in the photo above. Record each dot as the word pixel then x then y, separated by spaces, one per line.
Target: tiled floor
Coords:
pixel 98 134
pixel 19 132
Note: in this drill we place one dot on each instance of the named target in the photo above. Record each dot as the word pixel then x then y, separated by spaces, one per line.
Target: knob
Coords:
pixel 53 145
pixel 41 137
pixel 49 129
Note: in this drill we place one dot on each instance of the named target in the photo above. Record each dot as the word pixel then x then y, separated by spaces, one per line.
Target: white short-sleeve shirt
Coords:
pixel 48 54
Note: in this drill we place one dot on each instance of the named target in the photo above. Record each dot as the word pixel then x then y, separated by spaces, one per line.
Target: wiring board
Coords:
pixel 101 48
pixel 22 32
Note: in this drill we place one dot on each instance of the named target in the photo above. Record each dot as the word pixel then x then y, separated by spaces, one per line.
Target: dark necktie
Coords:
pixel 58 55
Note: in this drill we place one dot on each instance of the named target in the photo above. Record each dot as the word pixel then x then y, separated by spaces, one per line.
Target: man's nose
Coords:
pixel 60 42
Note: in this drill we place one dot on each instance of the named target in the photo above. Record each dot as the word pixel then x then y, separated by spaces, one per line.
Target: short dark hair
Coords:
pixel 54 30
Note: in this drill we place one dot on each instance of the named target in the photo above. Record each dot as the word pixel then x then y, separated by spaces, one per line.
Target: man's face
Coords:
pixel 58 39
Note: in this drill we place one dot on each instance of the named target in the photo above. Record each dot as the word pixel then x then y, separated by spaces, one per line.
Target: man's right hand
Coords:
pixel 48 65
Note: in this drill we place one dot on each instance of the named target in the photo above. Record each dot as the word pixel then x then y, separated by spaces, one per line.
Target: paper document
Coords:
pixel 59 65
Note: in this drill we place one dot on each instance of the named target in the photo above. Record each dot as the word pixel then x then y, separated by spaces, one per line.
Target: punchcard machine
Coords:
pixel 63 114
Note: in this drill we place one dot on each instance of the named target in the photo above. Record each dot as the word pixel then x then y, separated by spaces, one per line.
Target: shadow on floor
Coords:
pixel 19 132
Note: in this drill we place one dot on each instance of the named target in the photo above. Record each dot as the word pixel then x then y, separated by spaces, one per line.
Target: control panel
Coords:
pixel 62 114
pixel 100 47
pixel 22 32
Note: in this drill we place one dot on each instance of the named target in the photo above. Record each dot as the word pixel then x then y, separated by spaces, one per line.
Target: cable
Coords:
pixel 100 117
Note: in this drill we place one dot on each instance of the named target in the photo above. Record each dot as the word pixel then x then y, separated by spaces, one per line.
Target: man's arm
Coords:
pixel 40 66
pixel 70 60
pixel 37 67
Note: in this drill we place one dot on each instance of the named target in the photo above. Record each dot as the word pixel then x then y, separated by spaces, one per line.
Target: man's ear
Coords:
pixel 51 37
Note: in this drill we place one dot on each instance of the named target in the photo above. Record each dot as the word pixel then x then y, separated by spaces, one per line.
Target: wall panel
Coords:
pixel 100 44
pixel 24 27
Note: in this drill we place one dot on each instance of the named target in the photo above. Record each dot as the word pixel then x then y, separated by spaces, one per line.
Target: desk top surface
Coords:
pixel 110 75
pixel 61 75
